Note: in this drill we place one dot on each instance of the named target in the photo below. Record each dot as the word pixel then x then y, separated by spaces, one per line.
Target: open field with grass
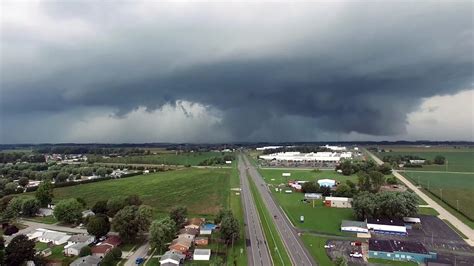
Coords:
pixel 315 246
pixel 234 256
pixel 294 207
pixel 202 191
pixel 457 190
pixel 186 158
pixel 275 244
pixel 458 160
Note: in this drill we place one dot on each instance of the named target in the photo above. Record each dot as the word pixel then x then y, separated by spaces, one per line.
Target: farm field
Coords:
pixel 206 190
pixel 294 207
pixel 457 189
pixel 459 160
pixel 188 158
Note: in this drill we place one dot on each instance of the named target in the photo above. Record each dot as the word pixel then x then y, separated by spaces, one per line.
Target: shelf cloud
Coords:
pixel 213 72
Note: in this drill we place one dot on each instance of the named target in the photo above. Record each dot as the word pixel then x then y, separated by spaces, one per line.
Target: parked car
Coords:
pixel 356 243
pixel 355 254
pixel 329 246
pixel 139 261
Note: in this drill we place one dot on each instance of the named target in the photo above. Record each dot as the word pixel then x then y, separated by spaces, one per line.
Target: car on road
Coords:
pixel 355 254
pixel 139 261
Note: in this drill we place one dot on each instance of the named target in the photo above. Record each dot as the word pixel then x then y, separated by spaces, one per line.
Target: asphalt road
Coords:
pixel 140 252
pixel 299 255
pixel 257 249
pixel 443 213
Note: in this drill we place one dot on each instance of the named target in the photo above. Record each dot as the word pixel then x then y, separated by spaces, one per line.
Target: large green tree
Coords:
pixel 162 232
pixel 20 250
pixel 131 221
pixel 98 225
pixel 68 211
pixel 178 215
pixel 44 193
pixel 115 204
pixel 100 207
pixel 229 228
pixel 310 187
pixel 391 205
pixel 30 207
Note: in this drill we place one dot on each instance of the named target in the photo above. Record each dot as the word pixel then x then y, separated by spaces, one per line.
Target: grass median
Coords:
pixel 275 244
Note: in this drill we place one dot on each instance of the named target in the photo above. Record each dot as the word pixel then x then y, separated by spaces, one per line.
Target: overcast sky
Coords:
pixel 102 71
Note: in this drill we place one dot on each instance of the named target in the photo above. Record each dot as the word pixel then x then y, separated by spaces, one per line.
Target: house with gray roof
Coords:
pixel 86 261
pixel 172 258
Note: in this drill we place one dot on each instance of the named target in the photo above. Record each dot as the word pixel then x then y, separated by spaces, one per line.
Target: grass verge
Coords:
pixel 392 262
pixel 315 245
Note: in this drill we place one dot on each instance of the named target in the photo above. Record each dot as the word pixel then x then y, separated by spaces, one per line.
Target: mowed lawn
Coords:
pixel 187 158
pixel 202 191
pixel 320 218
pixel 457 160
pixel 456 189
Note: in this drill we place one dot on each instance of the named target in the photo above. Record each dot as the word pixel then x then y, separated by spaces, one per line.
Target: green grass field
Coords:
pixel 188 158
pixel 457 190
pixel 294 207
pixel 457 160
pixel 235 256
pixel 315 246
pixel 202 191
pixel 275 244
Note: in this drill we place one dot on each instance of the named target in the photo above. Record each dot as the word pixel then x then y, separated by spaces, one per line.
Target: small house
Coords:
pixel 187 236
pixel 74 249
pixel 195 223
pixel 354 226
pixel 57 238
pixel 191 231
pixel 172 258
pixel 103 248
pixel 201 241
pixel 202 254
pixel 338 202
pixel 180 245
pixel 81 238
pixel 46 252
pixel 86 261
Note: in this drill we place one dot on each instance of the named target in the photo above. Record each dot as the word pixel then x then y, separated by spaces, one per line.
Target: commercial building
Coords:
pixel 338 202
pixel 387 226
pixel 354 226
pixel 322 157
pixel 399 250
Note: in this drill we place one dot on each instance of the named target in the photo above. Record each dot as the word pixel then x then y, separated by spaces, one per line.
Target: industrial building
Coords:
pixel 338 202
pixel 354 226
pixel 387 226
pixel 399 250
pixel 323 157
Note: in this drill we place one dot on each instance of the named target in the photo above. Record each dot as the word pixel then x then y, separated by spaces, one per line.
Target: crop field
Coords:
pixel 188 158
pixel 294 207
pixel 458 160
pixel 202 191
pixel 455 189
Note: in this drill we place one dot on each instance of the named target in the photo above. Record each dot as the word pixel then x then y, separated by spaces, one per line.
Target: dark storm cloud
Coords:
pixel 273 73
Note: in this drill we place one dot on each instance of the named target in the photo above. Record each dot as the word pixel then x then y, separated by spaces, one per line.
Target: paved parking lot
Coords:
pixel 437 236
pixel 344 248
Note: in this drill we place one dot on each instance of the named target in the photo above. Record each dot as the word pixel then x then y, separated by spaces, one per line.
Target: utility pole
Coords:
pixel 457 204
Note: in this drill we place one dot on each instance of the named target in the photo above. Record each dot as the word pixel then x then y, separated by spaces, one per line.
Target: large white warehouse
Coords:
pixel 307 157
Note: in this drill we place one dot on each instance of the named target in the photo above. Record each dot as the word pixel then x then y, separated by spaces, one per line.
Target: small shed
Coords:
pixel 202 254
pixel 201 241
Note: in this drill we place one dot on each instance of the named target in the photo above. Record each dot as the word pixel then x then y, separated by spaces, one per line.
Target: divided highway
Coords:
pixel 257 249
pixel 299 255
